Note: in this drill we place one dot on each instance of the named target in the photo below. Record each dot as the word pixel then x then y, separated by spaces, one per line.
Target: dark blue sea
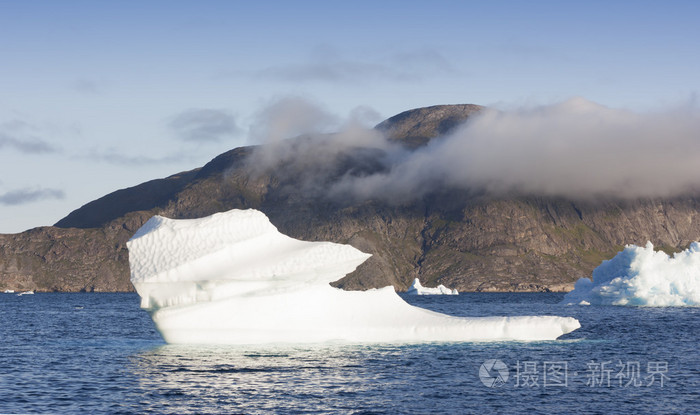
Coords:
pixel 99 353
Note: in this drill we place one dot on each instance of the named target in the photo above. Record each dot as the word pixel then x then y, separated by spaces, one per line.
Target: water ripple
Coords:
pixel 106 357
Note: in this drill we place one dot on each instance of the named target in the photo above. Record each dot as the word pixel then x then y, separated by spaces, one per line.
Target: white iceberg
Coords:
pixel 640 276
pixel 232 278
pixel 418 289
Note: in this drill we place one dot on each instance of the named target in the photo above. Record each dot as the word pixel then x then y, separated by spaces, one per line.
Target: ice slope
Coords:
pixel 232 278
pixel 418 289
pixel 640 276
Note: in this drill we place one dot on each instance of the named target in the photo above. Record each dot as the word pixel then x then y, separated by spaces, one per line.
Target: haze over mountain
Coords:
pixel 461 195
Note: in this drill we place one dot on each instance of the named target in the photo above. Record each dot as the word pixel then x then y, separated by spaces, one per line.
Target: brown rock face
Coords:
pixel 417 127
pixel 56 259
pixel 464 240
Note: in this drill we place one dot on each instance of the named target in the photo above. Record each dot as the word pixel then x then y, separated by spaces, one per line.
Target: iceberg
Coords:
pixel 232 278
pixel 640 276
pixel 418 289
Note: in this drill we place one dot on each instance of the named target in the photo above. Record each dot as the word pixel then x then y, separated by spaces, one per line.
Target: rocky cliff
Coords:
pixel 467 240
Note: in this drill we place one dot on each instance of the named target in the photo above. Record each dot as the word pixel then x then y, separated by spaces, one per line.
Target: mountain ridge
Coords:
pixel 467 240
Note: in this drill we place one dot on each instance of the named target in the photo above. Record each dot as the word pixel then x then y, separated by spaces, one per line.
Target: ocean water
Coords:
pixel 99 353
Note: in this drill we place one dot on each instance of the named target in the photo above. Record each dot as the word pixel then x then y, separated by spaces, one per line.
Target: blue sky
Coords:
pixel 97 96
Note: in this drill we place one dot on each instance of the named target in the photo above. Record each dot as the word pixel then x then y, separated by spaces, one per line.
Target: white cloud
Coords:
pixel 575 149
pixel 301 140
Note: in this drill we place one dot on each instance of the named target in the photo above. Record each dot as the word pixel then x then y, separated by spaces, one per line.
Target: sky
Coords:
pixel 99 96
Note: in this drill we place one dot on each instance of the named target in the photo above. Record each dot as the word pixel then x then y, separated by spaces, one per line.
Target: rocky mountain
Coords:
pixel 468 240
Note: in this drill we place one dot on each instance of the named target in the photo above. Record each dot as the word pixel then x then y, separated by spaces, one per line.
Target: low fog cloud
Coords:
pixel 203 125
pixel 24 196
pixel 295 129
pixel 575 149
pixel 300 139
pixel 289 117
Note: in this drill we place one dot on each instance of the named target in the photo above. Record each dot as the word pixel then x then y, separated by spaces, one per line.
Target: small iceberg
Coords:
pixel 25 293
pixel 232 278
pixel 640 276
pixel 418 289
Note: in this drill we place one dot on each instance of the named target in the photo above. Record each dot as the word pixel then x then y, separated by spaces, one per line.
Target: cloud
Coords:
pixel 289 117
pixel 333 71
pixel 281 119
pixel 25 196
pixel 112 156
pixel 326 65
pixel 303 142
pixel 204 125
pixel 86 86
pixel 521 50
pixel 29 145
pixel 21 136
pixel 575 149
pixel 426 61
